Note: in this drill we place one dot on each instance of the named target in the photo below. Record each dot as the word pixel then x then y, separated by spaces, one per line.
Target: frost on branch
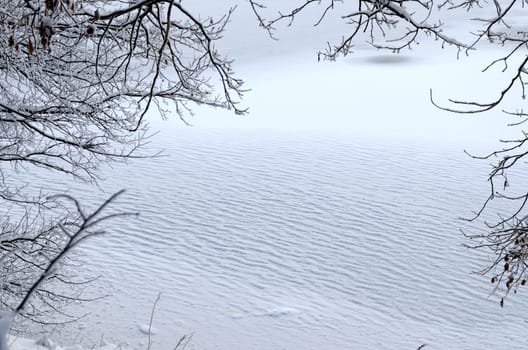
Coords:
pixel 384 24
pixel 399 24
pixel 76 81
pixel 31 266
pixel 77 77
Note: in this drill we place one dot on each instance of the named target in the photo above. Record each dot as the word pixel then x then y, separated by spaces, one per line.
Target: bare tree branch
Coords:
pixel 397 24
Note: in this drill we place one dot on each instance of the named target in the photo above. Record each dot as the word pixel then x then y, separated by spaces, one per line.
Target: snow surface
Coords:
pixel 325 219
pixel 16 343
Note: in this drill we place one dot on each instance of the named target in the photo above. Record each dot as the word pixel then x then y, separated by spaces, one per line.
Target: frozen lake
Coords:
pixel 294 241
pixel 328 218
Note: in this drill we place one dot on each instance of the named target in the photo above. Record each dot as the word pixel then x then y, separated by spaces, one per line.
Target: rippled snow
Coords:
pixel 281 241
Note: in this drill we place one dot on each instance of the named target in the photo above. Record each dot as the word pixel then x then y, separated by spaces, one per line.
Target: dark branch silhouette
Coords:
pixel 397 24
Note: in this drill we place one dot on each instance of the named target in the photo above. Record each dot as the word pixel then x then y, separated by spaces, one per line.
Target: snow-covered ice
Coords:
pixel 325 219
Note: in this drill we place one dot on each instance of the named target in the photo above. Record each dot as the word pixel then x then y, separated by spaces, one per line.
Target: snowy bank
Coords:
pixel 16 343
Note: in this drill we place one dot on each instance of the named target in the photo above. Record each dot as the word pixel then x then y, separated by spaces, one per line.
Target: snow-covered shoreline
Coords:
pixel 44 343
